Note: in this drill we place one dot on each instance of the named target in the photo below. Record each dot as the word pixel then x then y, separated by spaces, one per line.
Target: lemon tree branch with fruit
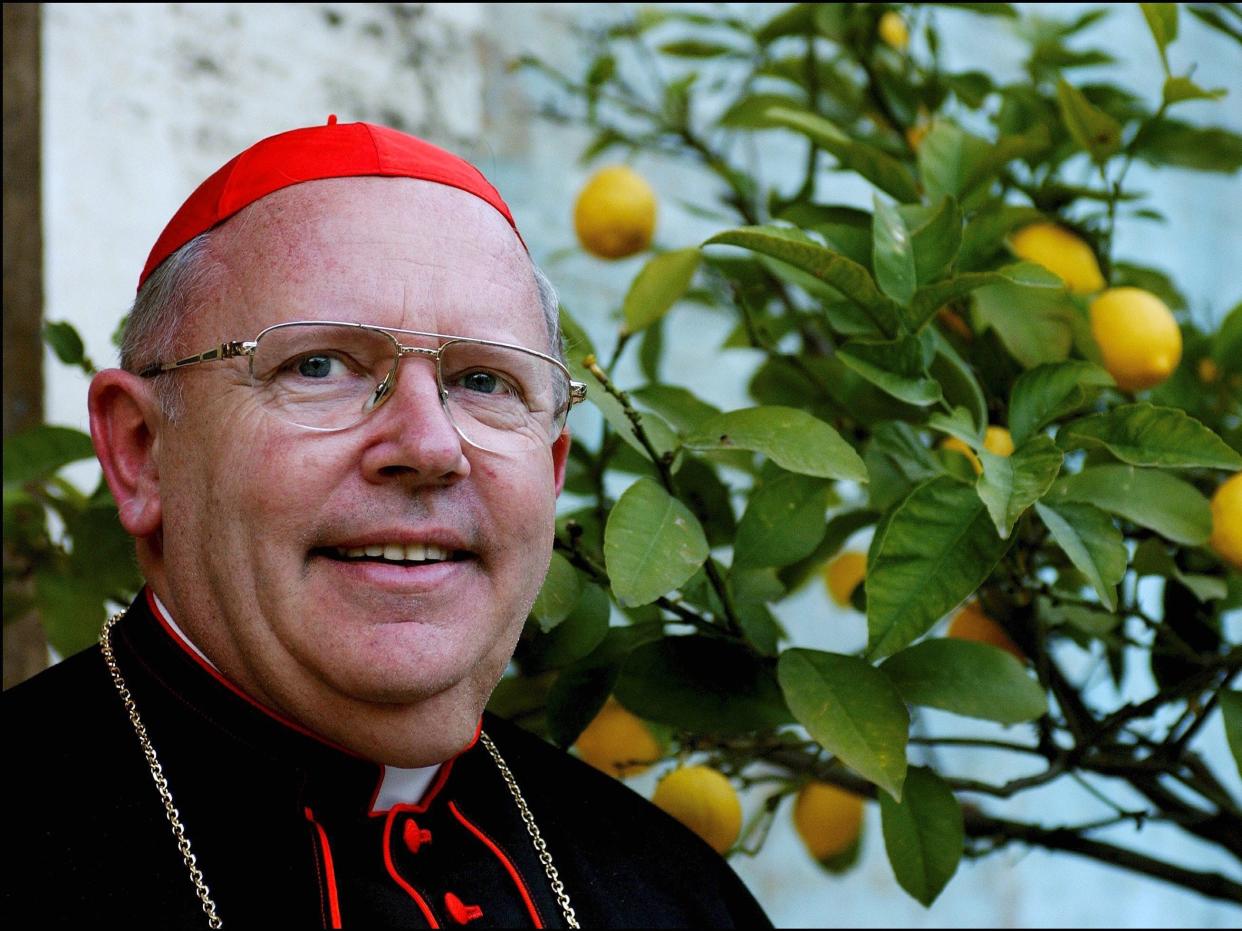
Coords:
pixel 1012 455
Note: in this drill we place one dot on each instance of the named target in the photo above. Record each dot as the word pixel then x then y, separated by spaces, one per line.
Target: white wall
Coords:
pixel 143 101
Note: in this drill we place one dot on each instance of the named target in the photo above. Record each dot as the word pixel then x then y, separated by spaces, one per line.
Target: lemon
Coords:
pixel 971 623
pixel 996 440
pixel 704 801
pixel 1226 537
pixel 828 819
pixel 615 213
pixel 843 574
pixel 1062 253
pixel 893 31
pixel 1140 344
pixel 617 742
pixel 1208 371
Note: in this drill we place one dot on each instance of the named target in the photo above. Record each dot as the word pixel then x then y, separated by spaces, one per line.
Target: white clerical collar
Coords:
pixel 398 786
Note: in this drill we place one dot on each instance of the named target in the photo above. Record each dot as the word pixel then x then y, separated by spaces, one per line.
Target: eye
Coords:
pixel 484 382
pixel 318 366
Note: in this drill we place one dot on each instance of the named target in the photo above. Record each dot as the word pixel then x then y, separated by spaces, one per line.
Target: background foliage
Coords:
pixel 884 331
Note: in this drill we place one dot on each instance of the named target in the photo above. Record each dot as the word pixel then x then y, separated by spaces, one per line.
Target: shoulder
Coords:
pixel 630 860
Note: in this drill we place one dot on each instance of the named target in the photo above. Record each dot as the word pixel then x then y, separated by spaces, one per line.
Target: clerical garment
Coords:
pixel 284 826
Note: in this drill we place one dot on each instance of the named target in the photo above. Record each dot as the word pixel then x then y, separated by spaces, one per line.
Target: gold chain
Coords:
pixel 183 842
pixel 157 773
pixel 540 847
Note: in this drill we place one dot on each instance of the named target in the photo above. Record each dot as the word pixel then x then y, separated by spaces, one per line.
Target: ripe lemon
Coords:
pixel 893 31
pixel 617 742
pixel 971 623
pixel 1139 341
pixel 843 574
pixel 704 801
pixel 1062 253
pixel 1226 537
pixel 828 819
pixel 996 440
pixel 615 214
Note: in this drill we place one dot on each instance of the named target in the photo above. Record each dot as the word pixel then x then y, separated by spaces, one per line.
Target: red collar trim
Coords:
pixel 215 674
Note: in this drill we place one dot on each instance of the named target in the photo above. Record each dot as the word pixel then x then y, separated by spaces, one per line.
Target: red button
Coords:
pixel 414 836
pixel 459 911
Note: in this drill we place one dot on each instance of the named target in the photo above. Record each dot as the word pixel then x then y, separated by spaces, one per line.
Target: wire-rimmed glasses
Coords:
pixel 328 375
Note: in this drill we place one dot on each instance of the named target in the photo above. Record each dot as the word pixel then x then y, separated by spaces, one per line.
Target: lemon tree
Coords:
pixel 970 417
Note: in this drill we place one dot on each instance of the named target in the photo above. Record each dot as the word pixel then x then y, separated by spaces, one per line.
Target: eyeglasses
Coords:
pixel 325 375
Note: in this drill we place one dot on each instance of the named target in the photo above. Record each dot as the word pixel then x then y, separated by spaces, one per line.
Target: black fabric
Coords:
pixel 89 841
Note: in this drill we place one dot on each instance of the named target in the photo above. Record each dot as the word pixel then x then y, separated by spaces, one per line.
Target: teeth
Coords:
pixel 397 552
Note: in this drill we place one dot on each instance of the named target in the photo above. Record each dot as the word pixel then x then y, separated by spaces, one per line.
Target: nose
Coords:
pixel 410 434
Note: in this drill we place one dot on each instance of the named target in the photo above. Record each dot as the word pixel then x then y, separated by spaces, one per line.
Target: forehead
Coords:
pixel 395 252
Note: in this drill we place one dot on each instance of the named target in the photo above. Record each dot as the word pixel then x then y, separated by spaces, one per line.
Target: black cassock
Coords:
pixel 281 823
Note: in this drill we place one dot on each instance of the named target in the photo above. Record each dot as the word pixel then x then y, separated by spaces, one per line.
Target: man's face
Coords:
pixel 257 513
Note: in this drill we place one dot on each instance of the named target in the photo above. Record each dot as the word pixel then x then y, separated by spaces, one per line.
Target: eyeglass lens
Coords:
pixel 324 376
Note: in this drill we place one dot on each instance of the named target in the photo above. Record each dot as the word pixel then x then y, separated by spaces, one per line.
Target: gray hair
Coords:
pixel 169 295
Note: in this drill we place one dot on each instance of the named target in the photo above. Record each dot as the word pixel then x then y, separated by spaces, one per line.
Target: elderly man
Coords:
pixel 337 438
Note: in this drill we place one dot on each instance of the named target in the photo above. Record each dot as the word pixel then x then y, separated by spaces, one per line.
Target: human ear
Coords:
pixel 560 454
pixel 125 423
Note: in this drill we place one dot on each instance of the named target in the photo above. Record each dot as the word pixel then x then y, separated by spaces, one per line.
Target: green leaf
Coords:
pixel 973 679
pixel 1145 435
pixel 1091 541
pixel 892 253
pixel 1047 393
pixel 652 544
pixel 679 406
pixel 1183 145
pixel 898 368
pixel 694 48
pixel 852 710
pixel 558 595
pixel 845 229
pixel 939 546
pixel 791 438
pixel 1094 130
pixel 937 237
pixel 848 277
pixel 1026 276
pixel 1155 500
pixel 1214 19
pixel 701 684
pixel 839 529
pixel 67 345
pixel 708 499
pixel 662 438
pixel 1151 558
pixel 881 169
pixel 796 20
pixel 71 609
pixel 960 424
pixel 1177 89
pixel 784 521
pixel 750 111
pixel 1227 344
pixel 660 284
pixel 923 834
pixel 986 230
pixel 1036 325
pixel 1162 21
pixel 1009 485
pixel 957 379
pixel 42 450
pixel 1231 711
pixel 582 630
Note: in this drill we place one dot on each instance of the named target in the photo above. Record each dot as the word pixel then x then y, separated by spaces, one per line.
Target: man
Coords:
pixel 337 439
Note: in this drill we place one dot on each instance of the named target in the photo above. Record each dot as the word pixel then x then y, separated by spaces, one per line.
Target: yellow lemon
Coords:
pixel 828 819
pixel 971 623
pixel 843 574
pixel 704 801
pixel 1062 253
pixel 617 742
pixel 615 213
pixel 996 440
pixel 893 31
pixel 1226 537
pixel 1139 341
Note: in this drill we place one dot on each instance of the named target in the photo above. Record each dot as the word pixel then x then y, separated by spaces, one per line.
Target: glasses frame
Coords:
pixel 233 349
